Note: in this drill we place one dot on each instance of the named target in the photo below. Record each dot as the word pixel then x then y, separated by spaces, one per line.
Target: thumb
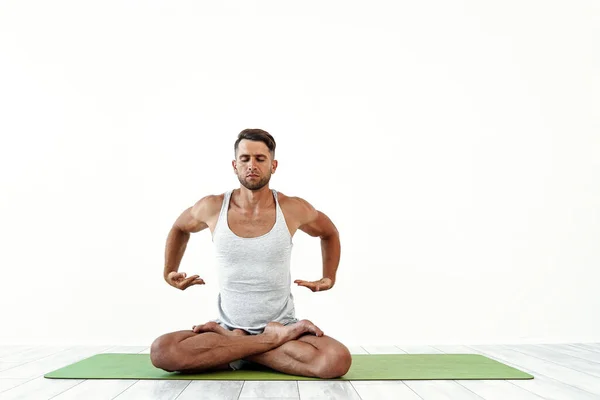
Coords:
pixel 180 276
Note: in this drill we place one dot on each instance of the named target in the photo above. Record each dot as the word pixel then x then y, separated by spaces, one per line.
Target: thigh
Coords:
pixel 304 349
pixel 308 355
pixel 171 342
pixel 171 339
pixel 322 342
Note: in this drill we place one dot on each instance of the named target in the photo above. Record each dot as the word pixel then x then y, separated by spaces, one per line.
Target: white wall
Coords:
pixel 455 145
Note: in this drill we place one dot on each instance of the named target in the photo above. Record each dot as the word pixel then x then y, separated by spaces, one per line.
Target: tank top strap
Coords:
pixel 278 210
pixel 281 224
pixel 222 220
pixel 225 205
pixel 276 200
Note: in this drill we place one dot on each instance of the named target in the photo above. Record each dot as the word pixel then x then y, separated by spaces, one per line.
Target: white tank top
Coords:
pixel 254 274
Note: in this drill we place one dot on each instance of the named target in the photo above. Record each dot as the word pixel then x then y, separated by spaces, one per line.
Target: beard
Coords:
pixel 254 184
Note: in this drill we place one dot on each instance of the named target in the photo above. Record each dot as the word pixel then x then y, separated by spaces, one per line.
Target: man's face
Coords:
pixel 253 165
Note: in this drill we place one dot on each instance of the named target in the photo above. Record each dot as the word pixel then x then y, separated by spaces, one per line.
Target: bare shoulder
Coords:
pixel 299 209
pixel 307 218
pixel 208 207
pixel 201 215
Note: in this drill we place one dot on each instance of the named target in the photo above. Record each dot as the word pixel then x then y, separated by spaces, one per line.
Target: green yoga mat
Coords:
pixel 364 367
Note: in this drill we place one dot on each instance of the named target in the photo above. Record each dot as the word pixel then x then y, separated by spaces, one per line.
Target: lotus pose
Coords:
pixel 252 229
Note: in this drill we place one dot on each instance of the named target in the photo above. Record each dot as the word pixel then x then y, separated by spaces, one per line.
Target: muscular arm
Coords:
pixel 317 224
pixel 191 220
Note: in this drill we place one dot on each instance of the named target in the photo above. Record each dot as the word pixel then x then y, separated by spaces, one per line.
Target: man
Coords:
pixel 252 229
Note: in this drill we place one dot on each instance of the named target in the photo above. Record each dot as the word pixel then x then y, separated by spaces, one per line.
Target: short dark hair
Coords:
pixel 258 135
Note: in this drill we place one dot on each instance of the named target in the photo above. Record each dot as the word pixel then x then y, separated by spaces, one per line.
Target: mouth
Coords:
pixel 252 176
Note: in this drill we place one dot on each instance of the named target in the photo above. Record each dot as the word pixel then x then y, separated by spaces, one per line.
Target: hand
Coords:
pixel 316 286
pixel 178 280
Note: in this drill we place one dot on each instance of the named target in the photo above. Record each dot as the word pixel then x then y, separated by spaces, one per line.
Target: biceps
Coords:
pixel 188 223
pixel 321 226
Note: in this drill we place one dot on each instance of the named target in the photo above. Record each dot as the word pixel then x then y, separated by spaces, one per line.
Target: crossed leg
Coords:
pixel 305 355
pixel 309 355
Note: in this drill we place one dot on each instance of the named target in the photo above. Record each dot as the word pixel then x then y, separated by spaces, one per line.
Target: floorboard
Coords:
pixel 561 371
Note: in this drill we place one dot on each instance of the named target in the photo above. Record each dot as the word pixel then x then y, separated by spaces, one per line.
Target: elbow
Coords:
pixel 332 234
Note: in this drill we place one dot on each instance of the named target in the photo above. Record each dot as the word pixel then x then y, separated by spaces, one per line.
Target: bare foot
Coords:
pixel 210 327
pixel 284 334
pixel 216 328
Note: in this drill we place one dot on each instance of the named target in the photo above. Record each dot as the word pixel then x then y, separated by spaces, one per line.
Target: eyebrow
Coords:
pixel 248 155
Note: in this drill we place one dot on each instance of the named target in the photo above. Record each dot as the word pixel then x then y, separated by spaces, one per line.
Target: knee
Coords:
pixel 335 362
pixel 161 354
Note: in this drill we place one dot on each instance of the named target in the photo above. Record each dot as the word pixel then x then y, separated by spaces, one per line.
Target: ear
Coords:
pixel 234 164
pixel 274 166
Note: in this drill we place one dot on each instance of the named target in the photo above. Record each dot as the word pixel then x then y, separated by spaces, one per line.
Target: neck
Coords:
pixel 253 199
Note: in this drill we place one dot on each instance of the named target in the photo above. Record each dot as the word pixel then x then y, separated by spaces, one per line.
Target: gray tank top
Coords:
pixel 254 274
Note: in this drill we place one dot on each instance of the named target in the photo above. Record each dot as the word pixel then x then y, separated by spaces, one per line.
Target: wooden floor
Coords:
pixel 569 372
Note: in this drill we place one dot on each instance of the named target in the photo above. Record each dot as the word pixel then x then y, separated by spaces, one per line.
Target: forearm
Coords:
pixel 176 244
pixel 330 250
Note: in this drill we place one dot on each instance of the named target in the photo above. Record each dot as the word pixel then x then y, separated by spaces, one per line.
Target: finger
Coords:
pixel 175 275
pixel 196 282
pixel 318 331
pixel 189 280
pixel 307 285
pixel 184 285
pixel 187 283
pixel 178 276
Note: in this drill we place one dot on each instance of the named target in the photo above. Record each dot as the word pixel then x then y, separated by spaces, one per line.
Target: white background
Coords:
pixel 456 146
